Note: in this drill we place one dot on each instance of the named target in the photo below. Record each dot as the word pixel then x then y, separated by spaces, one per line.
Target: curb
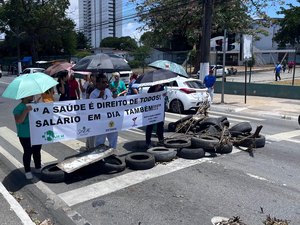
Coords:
pixel 16 207
pixel 233 108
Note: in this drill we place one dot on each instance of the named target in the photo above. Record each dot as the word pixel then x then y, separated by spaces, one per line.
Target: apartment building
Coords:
pixel 99 19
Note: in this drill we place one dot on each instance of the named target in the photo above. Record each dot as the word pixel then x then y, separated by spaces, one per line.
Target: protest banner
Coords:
pixel 65 120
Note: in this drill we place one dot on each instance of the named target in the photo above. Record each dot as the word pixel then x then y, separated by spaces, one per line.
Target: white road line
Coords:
pixel 12 138
pixel 16 207
pixel 285 135
pixel 99 189
pixel 52 197
pixel 230 118
pixel 77 144
pixel 238 116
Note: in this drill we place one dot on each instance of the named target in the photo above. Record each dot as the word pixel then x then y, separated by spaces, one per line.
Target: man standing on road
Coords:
pixel 209 82
pixel 277 71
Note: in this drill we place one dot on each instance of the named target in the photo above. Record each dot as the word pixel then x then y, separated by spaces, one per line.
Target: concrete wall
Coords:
pixel 265 90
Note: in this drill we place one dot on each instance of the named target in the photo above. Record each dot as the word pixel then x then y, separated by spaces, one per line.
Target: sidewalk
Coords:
pixel 276 107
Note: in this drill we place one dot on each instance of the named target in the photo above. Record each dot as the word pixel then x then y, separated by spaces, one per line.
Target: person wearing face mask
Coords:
pixel 102 91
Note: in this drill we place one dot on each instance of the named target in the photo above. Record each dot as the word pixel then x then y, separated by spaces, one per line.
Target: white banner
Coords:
pixel 60 121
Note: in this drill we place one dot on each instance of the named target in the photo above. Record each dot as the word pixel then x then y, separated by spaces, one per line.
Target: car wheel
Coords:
pixel 176 106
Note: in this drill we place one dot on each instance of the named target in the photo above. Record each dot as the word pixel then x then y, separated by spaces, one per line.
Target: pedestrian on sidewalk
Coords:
pixel 277 71
pixel 22 122
pixel 209 82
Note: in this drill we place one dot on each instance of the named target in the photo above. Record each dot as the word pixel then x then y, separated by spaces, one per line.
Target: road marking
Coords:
pixel 77 144
pixel 12 138
pixel 52 197
pixel 102 188
pixel 238 116
pixel 15 206
pixel 284 135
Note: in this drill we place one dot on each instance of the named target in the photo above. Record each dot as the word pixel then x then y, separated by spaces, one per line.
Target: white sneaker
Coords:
pixel 28 175
pixel 35 170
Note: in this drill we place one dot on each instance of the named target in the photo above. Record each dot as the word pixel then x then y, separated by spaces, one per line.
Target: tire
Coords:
pixel 191 153
pixel 162 154
pixel 299 119
pixel 172 127
pixel 140 161
pixel 243 127
pixel 183 119
pixel 52 174
pixel 224 149
pixel 209 122
pixel 113 164
pixel 177 143
pixel 205 142
pixel 176 106
pixel 258 142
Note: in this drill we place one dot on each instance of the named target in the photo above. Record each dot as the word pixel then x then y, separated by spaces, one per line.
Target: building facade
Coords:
pixel 99 19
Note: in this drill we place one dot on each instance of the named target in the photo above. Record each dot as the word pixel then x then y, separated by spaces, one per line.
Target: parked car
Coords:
pixel 185 94
pixel 219 69
pixel 32 70
pixel 0 73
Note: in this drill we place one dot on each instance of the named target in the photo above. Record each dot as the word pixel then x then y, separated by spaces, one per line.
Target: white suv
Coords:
pixel 185 94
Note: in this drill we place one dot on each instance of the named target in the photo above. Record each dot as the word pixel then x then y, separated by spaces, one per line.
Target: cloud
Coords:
pixel 130 29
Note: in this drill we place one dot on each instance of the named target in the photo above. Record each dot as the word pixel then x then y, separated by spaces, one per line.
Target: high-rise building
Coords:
pixel 99 19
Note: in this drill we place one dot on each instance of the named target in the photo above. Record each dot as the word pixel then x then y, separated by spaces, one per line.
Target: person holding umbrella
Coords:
pixel 63 87
pixel 22 122
pixel 25 87
pixel 159 126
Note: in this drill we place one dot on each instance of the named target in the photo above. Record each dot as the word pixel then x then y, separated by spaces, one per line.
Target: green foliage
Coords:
pixel 140 55
pixel 123 43
pixel 135 64
pixel 81 54
pixel 41 27
pixel 289 33
pixel 82 41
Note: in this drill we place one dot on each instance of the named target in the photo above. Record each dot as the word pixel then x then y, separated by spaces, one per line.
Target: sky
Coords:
pixel 130 26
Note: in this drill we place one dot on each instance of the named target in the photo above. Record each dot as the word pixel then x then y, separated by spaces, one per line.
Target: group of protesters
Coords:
pixel 68 88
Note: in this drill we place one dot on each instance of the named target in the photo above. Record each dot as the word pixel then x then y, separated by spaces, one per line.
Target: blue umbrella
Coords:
pixel 168 65
pixel 29 85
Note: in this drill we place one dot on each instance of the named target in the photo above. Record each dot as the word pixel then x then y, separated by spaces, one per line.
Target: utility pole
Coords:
pixel 224 61
pixel 207 6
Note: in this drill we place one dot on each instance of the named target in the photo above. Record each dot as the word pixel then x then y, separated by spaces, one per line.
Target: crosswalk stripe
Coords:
pixel 77 144
pixel 11 136
pixel 238 116
pixel 111 185
pixel 284 135
pixel 102 188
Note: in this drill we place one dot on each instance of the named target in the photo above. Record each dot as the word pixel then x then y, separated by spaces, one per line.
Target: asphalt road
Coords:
pixel 251 186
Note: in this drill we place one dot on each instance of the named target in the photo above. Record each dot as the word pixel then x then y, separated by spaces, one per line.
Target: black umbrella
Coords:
pixel 102 63
pixel 152 78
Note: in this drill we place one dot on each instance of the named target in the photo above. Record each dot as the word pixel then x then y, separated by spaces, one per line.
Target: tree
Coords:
pixel 44 26
pixel 140 55
pixel 166 18
pixel 82 41
pixel 289 32
pixel 123 43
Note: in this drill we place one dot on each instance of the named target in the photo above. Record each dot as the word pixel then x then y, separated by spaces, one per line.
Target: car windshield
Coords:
pixel 194 84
